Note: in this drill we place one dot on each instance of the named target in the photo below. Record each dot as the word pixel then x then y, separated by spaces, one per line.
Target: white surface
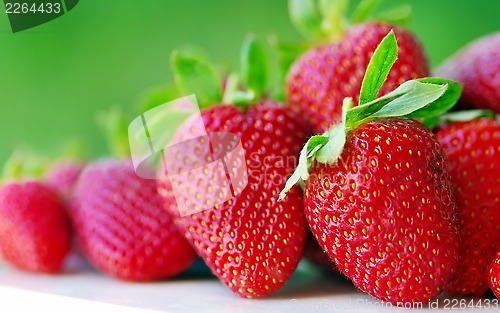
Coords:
pixel 92 292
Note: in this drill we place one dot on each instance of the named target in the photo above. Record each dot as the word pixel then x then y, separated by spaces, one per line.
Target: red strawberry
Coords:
pixel 378 195
pixel 494 275
pixel 473 148
pixel 477 68
pixel 122 227
pixel 251 242
pixel 385 213
pixel 34 230
pixel 63 176
pixel 321 78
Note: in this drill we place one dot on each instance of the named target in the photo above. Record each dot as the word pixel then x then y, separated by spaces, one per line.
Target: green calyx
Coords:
pixel 24 163
pixel 423 99
pixel 325 20
pixel 114 125
pixel 194 75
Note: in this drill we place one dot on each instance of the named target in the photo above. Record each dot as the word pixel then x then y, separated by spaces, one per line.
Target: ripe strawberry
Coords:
pixel 385 213
pixel 378 195
pixel 34 230
pixel 472 149
pixel 477 68
pixel 251 242
pixel 63 176
pixel 122 227
pixel 322 77
pixel 494 275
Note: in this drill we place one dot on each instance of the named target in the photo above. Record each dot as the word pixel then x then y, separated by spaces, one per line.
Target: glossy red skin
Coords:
pixel 386 210
pixel 477 68
pixel 122 227
pixel 473 150
pixel 494 275
pixel 322 77
pixel 34 229
pixel 252 243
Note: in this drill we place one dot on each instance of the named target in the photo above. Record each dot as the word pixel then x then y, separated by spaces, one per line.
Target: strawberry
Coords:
pixel 477 68
pixel 323 76
pixel 494 275
pixel 34 229
pixel 251 242
pixel 378 195
pixel 63 176
pixel 472 149
pixel 121 225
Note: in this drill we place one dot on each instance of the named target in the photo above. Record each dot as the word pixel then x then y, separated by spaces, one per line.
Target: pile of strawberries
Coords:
pixel 386 186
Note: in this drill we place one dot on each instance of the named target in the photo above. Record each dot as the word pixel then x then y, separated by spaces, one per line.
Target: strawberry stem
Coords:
pixel 334 23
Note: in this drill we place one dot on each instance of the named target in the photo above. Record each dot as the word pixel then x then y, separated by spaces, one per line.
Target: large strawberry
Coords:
pixel 378 195
pixel 34 228
pixel 472 148
pixel 251 242
pixel 494 275
pixel 122 227
pixel 324 75
pixel 477 68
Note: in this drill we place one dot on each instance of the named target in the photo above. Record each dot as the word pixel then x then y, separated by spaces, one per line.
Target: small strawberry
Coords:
pixel 477 68
pixel 494 275
pixel 378 196
pixel 251 242
pixel 122 227
pixel 472 149
pixel 63 175
pixel 324 75
pixel 34 229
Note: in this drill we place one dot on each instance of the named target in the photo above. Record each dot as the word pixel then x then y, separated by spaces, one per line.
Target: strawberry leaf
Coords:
pixel 306 17
pixel 443 103
pixel 114 124
pixel 400 16
pixel 379 67
pixel 194 76
pixel 361 113
pixel 363 10
pixel 24 163
pixel 459 116
pixel 254 66
pixel 417 98
pixel 286 54
pixel 157 96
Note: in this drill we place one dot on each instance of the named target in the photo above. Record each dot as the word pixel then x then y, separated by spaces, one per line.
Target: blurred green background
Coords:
pixel 55 77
